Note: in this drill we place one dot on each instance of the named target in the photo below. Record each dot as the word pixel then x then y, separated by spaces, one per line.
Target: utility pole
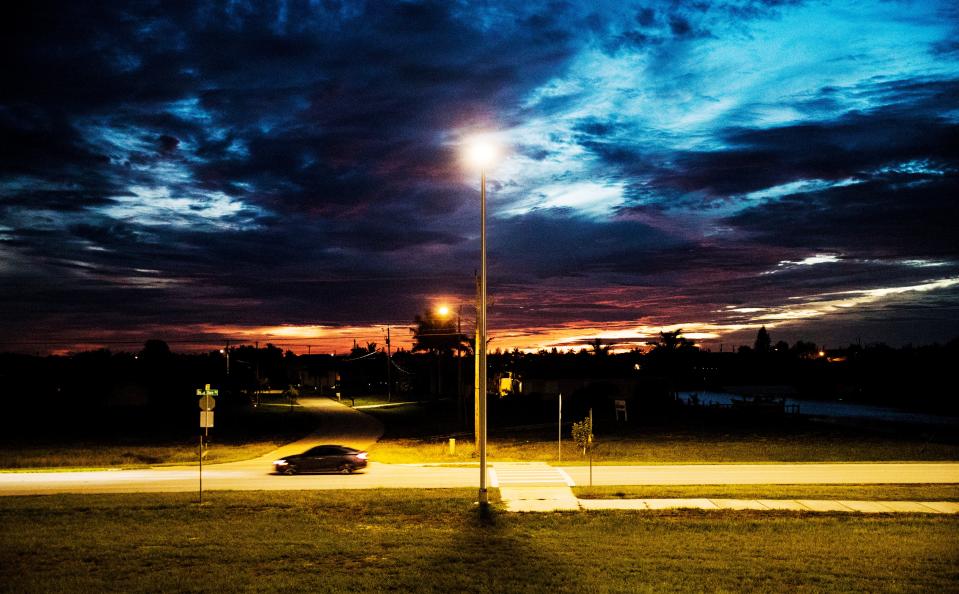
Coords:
pixel 389 368
pixel 476 371
pixel 460 406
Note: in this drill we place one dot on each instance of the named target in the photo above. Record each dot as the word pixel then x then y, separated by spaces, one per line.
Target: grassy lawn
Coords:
pixel 419 433
pixel 434 541
pixel 662 447
pixel 360 401
pixel 908 492
pixel 237 435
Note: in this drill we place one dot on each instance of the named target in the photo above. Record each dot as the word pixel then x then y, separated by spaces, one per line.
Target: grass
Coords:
pixel 419 433
pixel 674 448
pixel 94 456
pixel 376 400
pixel 906 492
pixel 434 541
pixel 238 434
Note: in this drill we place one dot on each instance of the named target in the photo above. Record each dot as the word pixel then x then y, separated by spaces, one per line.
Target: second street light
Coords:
pixel 480 155
pixel 444 312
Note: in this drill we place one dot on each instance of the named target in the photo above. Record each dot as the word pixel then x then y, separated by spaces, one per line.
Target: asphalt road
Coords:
pixel 343 425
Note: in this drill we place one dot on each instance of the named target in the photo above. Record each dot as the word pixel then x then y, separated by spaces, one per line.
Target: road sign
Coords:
pixel 206 418
pixel 207 402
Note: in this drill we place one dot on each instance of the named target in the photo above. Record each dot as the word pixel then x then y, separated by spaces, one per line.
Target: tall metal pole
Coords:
pixel 460 399
pixel 476 369
pixel 389 368
pixel 481 339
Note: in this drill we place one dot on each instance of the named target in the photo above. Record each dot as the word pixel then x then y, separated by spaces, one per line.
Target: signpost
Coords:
pixel 207 402
pixel 621 408
pixel 559 432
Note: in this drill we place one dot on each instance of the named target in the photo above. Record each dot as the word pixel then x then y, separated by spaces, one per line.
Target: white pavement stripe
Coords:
pixel 549 478
pixel 551 474
pixel 530 474
pixel 534 487
pixel 569 479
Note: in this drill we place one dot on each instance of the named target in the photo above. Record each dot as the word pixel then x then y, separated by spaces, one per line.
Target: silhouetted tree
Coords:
pixel 672 341
pixel 155 350
pixel 598 348
pixel 805 350
pixel 436 335
pixel 439 337
pixel 763 341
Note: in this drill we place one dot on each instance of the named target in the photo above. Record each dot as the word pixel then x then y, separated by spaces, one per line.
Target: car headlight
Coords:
pixel 280 462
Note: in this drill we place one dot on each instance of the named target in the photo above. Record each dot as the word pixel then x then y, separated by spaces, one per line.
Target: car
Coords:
pixel 323 458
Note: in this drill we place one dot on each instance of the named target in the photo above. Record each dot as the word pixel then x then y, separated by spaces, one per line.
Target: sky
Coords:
pixel 293 172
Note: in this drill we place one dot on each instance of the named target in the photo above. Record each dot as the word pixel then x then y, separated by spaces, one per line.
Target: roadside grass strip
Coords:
pixel 792 505
pixel 844 492
pixel 669 448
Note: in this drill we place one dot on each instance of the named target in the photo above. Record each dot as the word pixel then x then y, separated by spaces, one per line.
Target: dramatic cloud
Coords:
pixel 292 171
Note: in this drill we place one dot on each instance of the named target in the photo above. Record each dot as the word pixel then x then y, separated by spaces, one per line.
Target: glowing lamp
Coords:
pixel 480 153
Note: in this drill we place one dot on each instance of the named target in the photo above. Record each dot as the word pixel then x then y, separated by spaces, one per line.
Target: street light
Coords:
pixel 445 312
pixel 480 154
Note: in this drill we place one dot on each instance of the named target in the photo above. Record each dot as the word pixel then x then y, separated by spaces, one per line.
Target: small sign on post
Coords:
pixel 621 408
pixel 207 403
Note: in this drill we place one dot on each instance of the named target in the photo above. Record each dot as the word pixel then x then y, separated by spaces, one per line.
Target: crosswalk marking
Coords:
pixel 525 473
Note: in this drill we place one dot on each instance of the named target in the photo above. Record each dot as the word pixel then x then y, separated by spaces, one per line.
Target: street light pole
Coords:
pixel 389 367
pixel 481 335
pixel 482 154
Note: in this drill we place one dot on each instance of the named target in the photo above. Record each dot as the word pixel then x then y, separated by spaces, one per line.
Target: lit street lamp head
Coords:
pixel 480 153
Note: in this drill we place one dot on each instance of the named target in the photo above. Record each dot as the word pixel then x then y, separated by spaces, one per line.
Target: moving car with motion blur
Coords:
pixel 323 458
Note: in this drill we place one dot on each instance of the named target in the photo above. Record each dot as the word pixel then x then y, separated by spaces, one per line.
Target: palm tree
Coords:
pixel 440 337
pixel 598 348
pixel 672 341
pixel 436 335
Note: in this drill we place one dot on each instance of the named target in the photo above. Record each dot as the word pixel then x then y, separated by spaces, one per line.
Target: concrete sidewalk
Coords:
pixel 538 487
pixel 809 505
pixel 533 487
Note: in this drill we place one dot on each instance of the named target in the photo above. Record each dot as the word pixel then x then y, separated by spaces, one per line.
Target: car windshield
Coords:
pixel 329 450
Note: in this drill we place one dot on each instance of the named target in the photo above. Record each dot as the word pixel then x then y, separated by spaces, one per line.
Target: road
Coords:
pixel 343 425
